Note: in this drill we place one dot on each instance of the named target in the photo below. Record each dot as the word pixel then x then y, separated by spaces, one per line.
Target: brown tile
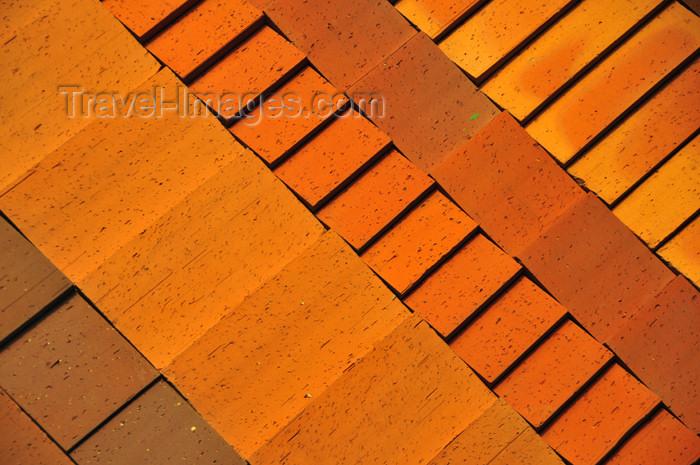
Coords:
pixel 507 183
pixel 321 166
pixel 387 407
pixel 203 32
pixel 430 107
pixel 145 18
pixel 452 294
pixel 606 92
pixel 22 442
pixel 72 370
pixel 263 363
pixel 157 427
pixel 418 241
pixel 28 281
pixel 507 329
pixel 548 377
pixel 604 413
pixel 596 267
pixel 375 199
pixel 344 40
pixel 660 345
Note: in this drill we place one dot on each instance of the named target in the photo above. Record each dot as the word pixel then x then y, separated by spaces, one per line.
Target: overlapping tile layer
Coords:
pixel 457 236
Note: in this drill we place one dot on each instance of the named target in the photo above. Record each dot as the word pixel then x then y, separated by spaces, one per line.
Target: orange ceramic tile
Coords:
pixel 548 377
pixel 667 199
pixel 146 18
pixel 284 345
pixel 660 344
pixel 321 166
pixel 272 132
pixel 344 40
pixel 452 294
pixel 58 40
pixel 644 139
pixel 498 436
pixel 507 183
pixel 503 332
pixel 172 282
pixel 376 198
pixel 71 371
pixel 600 417
pixel 423 102
pixel 615 84
pixel 433 16
pixel 113 179
pixel 248 71
pixel 386 408
pixel 596 267
pixel 197 37
pixel 662 440
pixel 562 51
pixel 22 442
pixel 492 33
pixel 418 242
pixel 683 251
pixel 18 13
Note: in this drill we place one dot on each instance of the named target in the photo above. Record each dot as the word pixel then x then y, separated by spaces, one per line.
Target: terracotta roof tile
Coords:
pixel 644 139
pixel 561 52
pixel 683 251
pixel 433 16
pixel 146 18
pixel 660 344
pixel 257 368
pixel 179 276
pixel 632 70
pixel 604 413
pixel 375 199
pixel 72 370
pixel 387 407
pixel 28 281
pixel 548 377
pixel 199 36
pixel 22 441
pixel 596 267
pixel 667 199
pixel 507 183
pixel 157 427
pixel 344 40
pixel 460 286
pixel 430 107
pixel 488 37
pixel 419 241
pixel 252 68
pixel 273 133
pixel 662 440
pixel 323 165
pixel 507 329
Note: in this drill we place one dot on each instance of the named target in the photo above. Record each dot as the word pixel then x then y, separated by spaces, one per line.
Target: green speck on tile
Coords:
pixel 474 116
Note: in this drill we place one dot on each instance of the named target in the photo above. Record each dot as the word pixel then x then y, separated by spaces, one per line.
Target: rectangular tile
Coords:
pixel 145 18
pixel 72 370
pixel 201 33
pixel 264 362
pixel 664 201
pixel 562 51
pixel 462 284
pixel 157 427
pixel 428 106
pixel 375 199
pixel 596 267
pixel 548 377
pixel 418 241
pixel 507 329
pixel 321 166
pixel 433 16
pixel 683 251
pixel 605 93
pixel 387 407
pixel 644 139
pixel 598 419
